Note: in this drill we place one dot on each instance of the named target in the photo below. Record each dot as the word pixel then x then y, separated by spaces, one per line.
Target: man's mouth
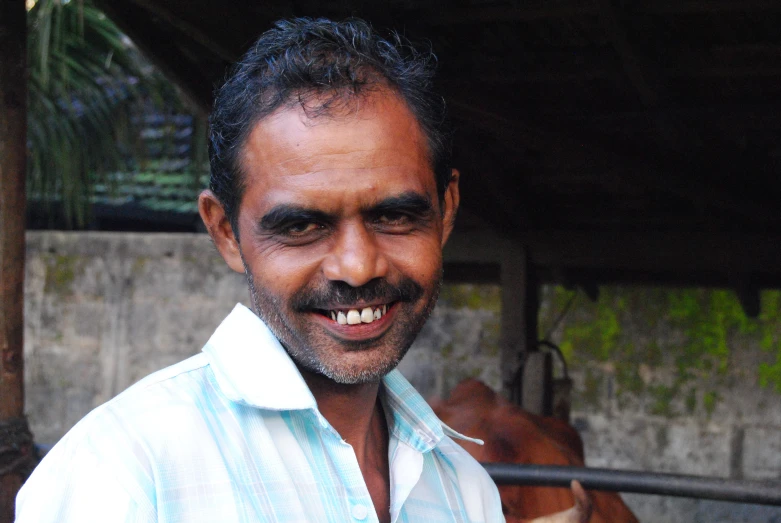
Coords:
pixel 357 316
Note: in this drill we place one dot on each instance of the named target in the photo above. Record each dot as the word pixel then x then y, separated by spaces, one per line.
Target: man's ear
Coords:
pixel 450 201
pixel 219 227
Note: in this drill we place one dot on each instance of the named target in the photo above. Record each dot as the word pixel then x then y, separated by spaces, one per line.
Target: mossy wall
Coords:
pixel 674 380
pixel 664 379
pixel 675 348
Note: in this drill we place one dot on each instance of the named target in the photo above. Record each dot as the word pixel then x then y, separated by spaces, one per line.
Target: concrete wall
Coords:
pixel 104 310
pixel 667 380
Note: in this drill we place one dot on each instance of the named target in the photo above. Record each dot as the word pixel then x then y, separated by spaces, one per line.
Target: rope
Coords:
pixel 17 451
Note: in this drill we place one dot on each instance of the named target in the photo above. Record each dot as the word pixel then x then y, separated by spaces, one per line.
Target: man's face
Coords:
pixel 341 234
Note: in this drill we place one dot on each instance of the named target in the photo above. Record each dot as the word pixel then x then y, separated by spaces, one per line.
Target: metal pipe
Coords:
pixel 738 491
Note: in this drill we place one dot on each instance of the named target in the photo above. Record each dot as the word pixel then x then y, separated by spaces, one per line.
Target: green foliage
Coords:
pixel 86 81
pixel 475 297
pixel 595 331
pixel 701 330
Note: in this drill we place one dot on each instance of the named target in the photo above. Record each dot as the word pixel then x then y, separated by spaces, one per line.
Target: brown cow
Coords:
pixel 512 435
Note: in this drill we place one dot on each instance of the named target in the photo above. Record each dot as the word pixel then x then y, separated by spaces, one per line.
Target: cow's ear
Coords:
pixel 217 223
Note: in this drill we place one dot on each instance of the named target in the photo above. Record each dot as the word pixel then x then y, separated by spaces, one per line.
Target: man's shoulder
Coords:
pixel 113 450
pixel 150 407
pixel 193 367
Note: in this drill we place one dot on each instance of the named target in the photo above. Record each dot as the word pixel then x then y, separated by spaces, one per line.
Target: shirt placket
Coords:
pixel 406 467
pixel 358 504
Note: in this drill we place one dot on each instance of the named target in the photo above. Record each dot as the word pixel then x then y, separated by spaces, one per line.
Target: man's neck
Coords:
pixel 354 411
pixel 356 414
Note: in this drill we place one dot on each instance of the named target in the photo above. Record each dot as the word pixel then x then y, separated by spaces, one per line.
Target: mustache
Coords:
pixel 339 293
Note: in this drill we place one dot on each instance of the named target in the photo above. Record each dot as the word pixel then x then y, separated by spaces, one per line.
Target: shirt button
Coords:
pixel 360 511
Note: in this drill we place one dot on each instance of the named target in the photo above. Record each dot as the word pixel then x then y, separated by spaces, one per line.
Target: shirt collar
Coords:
pixel 252 367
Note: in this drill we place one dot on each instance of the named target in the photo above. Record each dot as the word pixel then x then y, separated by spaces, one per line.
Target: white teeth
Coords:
pixel 353 317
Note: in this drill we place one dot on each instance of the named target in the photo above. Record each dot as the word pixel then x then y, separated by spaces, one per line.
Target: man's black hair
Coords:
pixel 319 65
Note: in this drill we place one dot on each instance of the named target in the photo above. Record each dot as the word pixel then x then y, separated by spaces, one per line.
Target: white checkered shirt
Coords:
pixel 234 435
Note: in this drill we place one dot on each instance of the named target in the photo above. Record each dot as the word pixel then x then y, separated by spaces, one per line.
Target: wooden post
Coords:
pixel 15 443
pixel 520 310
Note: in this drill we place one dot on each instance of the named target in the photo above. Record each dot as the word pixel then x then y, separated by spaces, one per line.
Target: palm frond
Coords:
pixel 86 78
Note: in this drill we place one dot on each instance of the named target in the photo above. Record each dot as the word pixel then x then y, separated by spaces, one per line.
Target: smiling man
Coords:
pixel 331 190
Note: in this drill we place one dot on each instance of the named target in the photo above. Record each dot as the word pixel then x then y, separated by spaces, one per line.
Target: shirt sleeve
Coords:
pixel 76 483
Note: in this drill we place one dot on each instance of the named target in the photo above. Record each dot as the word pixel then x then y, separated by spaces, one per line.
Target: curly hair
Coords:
pixel 320 65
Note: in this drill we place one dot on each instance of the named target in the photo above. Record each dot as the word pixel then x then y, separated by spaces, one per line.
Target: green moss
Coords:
pixel 628 378
pixel 597 338
pixel 691 401
pixel 709 401
pixel 60 273
pixel 662 397
pixel 474 297
pixel 591 390
pixel 653 354
pixel 708 325
pixel 770 374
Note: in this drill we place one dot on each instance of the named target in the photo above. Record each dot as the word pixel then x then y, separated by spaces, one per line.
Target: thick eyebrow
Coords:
pixel 283 214
pixel 408 202
pixel 287 213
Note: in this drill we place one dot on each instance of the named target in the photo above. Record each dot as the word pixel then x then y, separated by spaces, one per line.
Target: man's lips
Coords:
pixel 349 322
pixel 357 314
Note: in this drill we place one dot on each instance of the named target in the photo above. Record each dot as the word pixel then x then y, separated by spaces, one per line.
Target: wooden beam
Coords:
pixel 718 259
pixel 530 12
pixel 748 296
pixel 753 116
pixel 637 71
pixel 158 48
pixel 704 6
pixel 675 135
pixel 645 169
pixel 177 21
pixel 481 247
pixel 13 154
pixel 534 11
pixel 490 273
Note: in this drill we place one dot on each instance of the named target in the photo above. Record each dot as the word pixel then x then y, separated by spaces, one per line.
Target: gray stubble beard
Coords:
pixel 307 359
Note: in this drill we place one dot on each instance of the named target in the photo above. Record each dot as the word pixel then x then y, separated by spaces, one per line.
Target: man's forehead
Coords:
pixel 377 148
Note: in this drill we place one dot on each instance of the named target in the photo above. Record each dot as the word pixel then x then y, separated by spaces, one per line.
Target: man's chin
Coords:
pixel 352 367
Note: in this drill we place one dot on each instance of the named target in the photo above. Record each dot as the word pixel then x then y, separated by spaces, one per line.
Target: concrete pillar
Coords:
pixel 520 311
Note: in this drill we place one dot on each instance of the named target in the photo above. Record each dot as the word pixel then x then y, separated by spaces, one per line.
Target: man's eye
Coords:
pixel 393 218
pixel 301 228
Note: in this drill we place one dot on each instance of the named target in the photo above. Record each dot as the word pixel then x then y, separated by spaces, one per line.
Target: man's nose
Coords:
pixel 355 259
